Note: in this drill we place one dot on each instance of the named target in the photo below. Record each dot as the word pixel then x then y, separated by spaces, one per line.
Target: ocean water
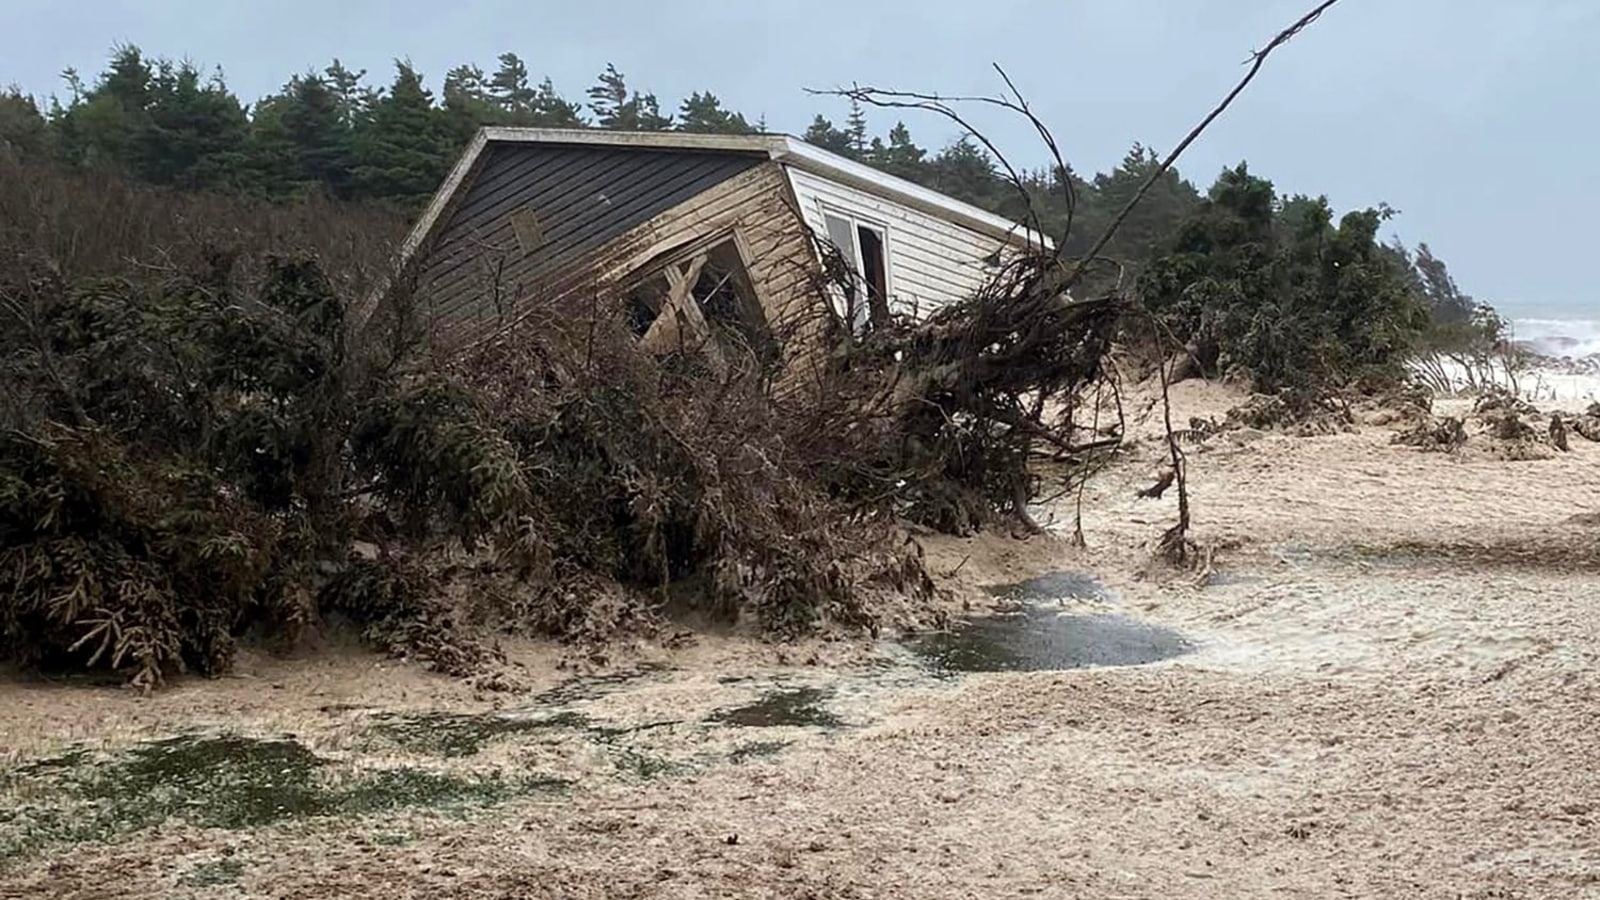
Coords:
pixel 1569 376
pixel 1559 338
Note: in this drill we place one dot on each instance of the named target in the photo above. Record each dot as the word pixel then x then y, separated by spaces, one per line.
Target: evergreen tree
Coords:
pixel 1446 301
pixel 901 157
pixel 1169 202
pixel 320 138
pixel 856 128
pixel 466 88
pixel 823 134
pixel 1277 288
pixel 551 110
pixel 354 98
pixel 964 171
pixel 22 126
pixel 467 103
pixel 271 165
pixel 404 149
pixel 703 113
pixel 509 89
pixel 617 108
pixel 519 103
pixel 103 123
pixel 194 132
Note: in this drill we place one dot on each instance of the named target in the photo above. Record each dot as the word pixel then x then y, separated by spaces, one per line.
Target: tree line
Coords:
pixel 334 134
pixel 169 123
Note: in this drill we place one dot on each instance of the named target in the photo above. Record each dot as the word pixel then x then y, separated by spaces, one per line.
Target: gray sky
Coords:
pixel 1468 116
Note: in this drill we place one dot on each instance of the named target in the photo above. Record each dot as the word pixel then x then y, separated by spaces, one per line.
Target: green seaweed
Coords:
pixel 756 750
pixel 221 782
pixel 458 735
pixel 213 874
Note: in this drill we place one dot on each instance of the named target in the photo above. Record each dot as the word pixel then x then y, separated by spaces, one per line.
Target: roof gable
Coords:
pixel 532 209
pixel 785 149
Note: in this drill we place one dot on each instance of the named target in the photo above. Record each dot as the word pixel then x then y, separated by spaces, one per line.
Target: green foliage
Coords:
pixel 330 132
pixel 1277 290
pixel 22 127
pixel 302 139
pixel 403 148
pixel 520 104
pixel 619 109
pixel 963 170
pixel 161 121
pixel 168 431
pixel 901 157
pixel 440 460
pixel 703 113
pixel 822 134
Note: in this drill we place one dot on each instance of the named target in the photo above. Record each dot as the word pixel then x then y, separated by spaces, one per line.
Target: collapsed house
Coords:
pixel 704 235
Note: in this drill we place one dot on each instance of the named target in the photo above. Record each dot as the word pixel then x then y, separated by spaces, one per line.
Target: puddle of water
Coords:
pixel 802 707
pixel 457 735
pixel 1053 587
pixel 1042 640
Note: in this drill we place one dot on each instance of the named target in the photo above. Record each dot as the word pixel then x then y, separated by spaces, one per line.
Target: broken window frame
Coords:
pixel 875 311
pixel 697 259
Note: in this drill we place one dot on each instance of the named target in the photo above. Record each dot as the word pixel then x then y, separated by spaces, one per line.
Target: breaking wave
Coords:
pixel 1559 338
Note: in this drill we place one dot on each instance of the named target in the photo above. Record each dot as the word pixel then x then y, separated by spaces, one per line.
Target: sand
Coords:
pixel 1395 694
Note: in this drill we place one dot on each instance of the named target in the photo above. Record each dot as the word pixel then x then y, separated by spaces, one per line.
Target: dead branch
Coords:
pixel 1257 59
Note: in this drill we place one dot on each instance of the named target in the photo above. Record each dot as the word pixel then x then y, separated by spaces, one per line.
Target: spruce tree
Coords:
pixel 551 110
pixel 509 90
pixel 823 134
pixel 901 157
pixel 313 123
pixel 354 98
pixel 22 126
pixel 617 108
pixel 193 133
pixel 404 149
pixel 704 114
pixel 856 128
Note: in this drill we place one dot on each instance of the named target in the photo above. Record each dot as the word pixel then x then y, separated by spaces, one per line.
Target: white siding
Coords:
pixel 932 262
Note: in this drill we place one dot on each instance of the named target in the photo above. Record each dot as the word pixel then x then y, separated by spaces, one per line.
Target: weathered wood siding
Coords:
pixel 931 262
pixel 582 198
pixel 755 208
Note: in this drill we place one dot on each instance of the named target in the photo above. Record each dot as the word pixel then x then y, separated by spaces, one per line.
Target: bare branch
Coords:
pixel 1258 59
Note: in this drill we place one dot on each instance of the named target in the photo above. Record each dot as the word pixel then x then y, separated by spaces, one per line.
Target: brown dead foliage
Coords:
pixel 1443 434
pixel 1501 426
pixel 1293 413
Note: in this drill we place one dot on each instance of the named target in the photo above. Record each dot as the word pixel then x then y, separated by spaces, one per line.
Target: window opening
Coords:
pixel 875 273
pixel 866 296
pixel 719 312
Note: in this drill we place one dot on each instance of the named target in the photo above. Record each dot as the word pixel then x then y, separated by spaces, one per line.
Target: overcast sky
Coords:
pixel 1475 118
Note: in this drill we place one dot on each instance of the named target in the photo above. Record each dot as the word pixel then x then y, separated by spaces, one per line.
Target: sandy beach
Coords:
pixel 1391 690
